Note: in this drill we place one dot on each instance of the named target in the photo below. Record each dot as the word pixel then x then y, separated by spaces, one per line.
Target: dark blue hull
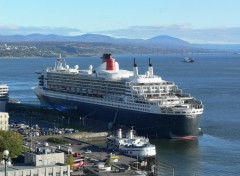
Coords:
pixel 152 125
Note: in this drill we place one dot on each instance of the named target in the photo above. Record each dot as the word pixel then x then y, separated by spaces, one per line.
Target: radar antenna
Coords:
pixel 59 59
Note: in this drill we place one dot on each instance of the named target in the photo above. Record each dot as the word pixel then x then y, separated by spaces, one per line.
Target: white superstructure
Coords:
pixel 131 145
pixel 117 88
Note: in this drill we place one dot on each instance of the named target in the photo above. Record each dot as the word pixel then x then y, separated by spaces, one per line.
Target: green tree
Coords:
pixel 108 161
pixel 12 141
pixel 70 161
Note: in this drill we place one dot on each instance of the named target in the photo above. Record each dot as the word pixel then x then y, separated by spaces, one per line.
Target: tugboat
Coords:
pixel 188 59
pixel 132 145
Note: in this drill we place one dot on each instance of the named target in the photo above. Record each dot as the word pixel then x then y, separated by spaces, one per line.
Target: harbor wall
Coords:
pixel 87 135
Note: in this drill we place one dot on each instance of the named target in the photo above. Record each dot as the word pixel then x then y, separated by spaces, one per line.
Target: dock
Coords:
pixel 96 159
pixel 120 164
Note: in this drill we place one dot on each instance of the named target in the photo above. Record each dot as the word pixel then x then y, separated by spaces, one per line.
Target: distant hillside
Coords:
pixel 58 38
pixel 93 38
pixel 169 42
pixel 91 44
pixel 167 39
pixel 163 39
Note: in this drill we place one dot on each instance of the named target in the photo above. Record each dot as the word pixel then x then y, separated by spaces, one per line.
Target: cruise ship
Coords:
pixel 155 107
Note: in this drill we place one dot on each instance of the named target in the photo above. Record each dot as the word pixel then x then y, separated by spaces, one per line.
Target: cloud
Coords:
pixel 23 30
pixel 185 32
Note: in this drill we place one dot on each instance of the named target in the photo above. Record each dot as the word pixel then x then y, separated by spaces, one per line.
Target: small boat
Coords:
pixel 13 100
pixel 188 59
pixel 131 145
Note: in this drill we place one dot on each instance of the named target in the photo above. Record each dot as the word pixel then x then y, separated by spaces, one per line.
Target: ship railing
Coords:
pixel 168 83
pixel 183 95
pixel 180 110
pixel 196 104
pixel 166 97
pixel 174 92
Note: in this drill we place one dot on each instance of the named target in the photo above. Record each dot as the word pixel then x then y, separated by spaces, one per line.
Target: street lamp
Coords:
pixel 54 124
pixel 68 121
pixel 62 120
pixel 6 160
pixel 83 121
pixel 80 119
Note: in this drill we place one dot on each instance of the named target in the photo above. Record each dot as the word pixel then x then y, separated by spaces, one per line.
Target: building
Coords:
pixel 43 157
pixel 4 121
pixel 49 170
pixel 3 97
pixel 43 162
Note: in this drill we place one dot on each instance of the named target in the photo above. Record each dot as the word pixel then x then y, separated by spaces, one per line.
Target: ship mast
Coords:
pixel 58 65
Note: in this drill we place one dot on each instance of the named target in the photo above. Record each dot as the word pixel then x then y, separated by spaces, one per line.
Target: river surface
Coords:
pixel 212 78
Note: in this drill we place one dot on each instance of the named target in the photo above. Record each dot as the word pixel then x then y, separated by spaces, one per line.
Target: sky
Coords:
pixel 196 21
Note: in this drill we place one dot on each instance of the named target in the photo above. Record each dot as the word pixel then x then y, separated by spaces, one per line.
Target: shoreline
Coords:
pixel 33 57
pixel 75 56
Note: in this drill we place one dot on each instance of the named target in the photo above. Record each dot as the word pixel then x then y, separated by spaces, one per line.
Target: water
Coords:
pixel 213 78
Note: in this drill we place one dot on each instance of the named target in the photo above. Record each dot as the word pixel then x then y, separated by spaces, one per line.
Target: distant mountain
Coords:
pixel 86 38
pixel 167 39
pixel 161 41
pixel 52 37
pixel 168 42
pixel 30 38
pixel 93 38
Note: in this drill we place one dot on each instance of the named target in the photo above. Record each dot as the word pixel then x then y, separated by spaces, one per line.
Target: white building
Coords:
pixel 43 158
pixel 41 163
pixel 50 170
pixel 4 121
